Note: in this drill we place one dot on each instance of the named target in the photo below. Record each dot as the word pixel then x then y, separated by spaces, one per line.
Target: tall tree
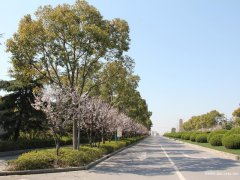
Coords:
pixel 203 121
pixel 16 112
pixel 120 90
pixel 236 117
pixel 67 44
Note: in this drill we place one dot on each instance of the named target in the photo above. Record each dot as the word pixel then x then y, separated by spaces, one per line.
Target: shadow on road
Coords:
pixel 148 159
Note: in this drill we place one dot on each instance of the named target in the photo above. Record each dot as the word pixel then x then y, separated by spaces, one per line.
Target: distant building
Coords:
pixel 154 133
pixel 173 130
pixel 180 125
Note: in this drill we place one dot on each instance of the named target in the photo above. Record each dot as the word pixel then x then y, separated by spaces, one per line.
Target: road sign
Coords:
pixel 119 132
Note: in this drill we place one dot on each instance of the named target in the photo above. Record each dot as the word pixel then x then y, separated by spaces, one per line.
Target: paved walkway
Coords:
pixel 3 161
pixel 154 158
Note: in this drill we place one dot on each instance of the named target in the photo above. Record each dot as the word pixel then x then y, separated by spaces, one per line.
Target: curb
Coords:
pixel 54 170
pixel 224 154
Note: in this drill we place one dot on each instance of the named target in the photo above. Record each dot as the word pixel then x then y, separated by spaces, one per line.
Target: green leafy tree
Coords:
pixel 203 121
pixel 120 91
pixel 236 117
pixel 16 112
pixel 67 45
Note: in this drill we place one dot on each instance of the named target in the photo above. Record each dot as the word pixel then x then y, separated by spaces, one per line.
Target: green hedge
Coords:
pixel 174 135
pixel 31 144
pixel 231 141
pixel 33 160
pixel 193 136
pixel 113 146
pixel 202 138
pixel 43 159
pixel 186 135
pixel 233 131
pixel 229 138
pixel 219 131
pixel 216 140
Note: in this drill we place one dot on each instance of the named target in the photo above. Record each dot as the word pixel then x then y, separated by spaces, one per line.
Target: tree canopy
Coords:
pixel 203 121
pixel 73 46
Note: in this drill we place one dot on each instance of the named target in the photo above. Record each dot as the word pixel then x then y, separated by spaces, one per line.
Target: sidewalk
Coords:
pixel 3 161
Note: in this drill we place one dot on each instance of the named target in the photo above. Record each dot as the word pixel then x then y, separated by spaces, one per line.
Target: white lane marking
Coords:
pixel 142 156
pixel 181 177
pixel 195 157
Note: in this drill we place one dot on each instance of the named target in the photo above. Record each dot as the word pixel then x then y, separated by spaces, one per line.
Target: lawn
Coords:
pixel 219 148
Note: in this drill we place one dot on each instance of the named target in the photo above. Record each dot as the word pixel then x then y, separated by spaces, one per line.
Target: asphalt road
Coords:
pixel 154 158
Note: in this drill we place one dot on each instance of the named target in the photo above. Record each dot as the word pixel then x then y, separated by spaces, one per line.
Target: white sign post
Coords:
pixel 119 132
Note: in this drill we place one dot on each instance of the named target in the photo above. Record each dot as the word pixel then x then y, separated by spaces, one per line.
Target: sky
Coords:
pixel 187 53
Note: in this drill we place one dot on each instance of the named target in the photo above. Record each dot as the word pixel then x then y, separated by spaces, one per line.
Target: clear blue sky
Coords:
pixel 187 52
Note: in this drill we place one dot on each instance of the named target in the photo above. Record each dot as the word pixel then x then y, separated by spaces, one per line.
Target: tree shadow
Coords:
pixel 147 158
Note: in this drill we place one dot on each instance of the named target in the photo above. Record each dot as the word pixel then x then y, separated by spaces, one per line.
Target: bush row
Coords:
pixel 193 136
pixel 22 144
pixel 68 157
pixel 229 139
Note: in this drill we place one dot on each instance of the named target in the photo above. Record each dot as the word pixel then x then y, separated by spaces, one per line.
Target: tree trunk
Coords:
pixel 75 134
pixel 17 130
pixel 78 138
pixel 57 147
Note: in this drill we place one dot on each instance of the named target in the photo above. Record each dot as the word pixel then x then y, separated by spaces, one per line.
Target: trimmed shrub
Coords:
pixel 112 146
pixel 186 135
pixel 193 136
pixel 233 131
pixel 202 138
pixel 231 141
pixel 174 135
pixel 219 131
pixel 68 157
pixel 73 158
pixel 33 160
pixel 96 153
pixel 177 135
pixel 216 140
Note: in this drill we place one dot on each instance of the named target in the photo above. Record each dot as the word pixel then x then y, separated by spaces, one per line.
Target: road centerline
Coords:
pixel 179 174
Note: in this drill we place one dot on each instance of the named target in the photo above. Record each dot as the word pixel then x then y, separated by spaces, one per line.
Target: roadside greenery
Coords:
pixel 42 159
pixel 201 138
pixel 82 58
pixel 203 121
pixel 37 142
pixel 216 140
pixel 230 139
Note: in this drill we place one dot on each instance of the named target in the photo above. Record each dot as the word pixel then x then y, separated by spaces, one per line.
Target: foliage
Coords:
pixel 193 136
pixel 32 143
pixel 219 131
pixel 34 160
pixel 174 135
pixel 186 135
pixel 231 141
pixel 68 157
pixel 16 113
pixel 216 140
pixel 53 102
pixel 113 146
pixel 202 138
pixel 98 118
pixel 233 131
pixel 120 90
pixel 207 120
pixel 70 46
pixel 236 116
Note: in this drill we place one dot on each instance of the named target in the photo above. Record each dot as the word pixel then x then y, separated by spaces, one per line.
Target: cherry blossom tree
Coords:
pixel 98 118
pixel 54 103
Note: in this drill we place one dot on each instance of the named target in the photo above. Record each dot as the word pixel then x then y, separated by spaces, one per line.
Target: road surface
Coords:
pixel 154 158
